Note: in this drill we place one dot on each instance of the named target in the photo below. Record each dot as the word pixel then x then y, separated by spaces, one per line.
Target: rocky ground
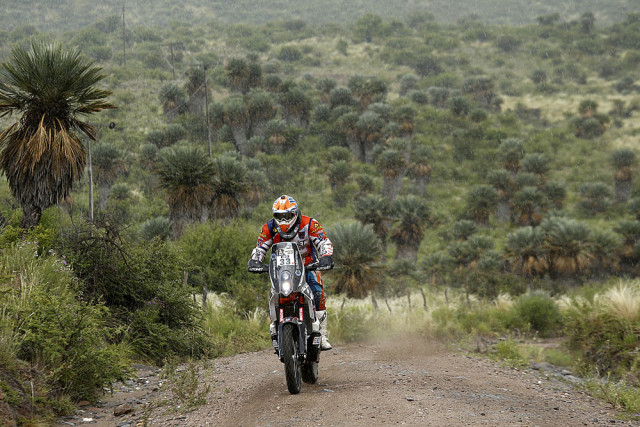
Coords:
pixel 411 382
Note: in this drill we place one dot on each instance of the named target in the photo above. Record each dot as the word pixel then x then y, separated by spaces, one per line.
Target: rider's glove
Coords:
pixel 255 266
pixel 325 263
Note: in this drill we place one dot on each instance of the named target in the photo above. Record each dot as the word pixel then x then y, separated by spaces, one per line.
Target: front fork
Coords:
pixel 277 320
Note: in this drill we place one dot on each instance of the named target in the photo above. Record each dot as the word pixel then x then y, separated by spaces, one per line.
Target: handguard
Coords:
pixel 325 263
pixel 255 266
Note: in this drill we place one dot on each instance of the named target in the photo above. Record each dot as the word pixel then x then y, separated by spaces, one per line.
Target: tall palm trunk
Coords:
pixel 241 139
pixel 407 251
pixel 503 210
pixel 391 185
pixel 30 216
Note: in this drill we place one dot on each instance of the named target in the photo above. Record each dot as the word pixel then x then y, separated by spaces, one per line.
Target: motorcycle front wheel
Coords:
pixel 310 372
pixel 292 365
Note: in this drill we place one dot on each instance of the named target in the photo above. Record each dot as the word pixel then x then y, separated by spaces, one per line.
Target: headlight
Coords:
pixel 285 283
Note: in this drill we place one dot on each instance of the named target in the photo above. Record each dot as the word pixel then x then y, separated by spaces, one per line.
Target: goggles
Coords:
pixel 284 217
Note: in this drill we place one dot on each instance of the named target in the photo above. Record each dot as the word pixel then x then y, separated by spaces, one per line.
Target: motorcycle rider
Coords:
pixel 289 225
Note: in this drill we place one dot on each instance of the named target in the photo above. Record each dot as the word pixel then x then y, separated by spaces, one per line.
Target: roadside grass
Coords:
pixel 233 332
pixel 565 331
pixel 619 394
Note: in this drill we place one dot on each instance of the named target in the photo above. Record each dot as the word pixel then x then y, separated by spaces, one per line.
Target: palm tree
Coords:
pixel 393 165
pixel 420 169
pixel 630 233
pixel 554 192
pixel 436 266
pixel 480 89
pixel 196 90
pixel 325 86
pixel 439 96
pixel 463 229
pixel 375 210
pixel 357 248
pixel 587 108
pixel 527 206
pixel 481 201
pixel 174 101
pixel 512 153
pixel 347 124
pixel 260 109
pixel 186 173
pixel 605 248
pixel 256 186
pixel 536 163
pixel 624 161
pixel 156 228
pixel 408 82
pixel 341 96
pixel 42 154
pixel 275 132
pixel 634 208
pixel 525 252
pixel 339 173
pixel 405 116
pixel 236 116
pixel 412 215
pixel 367 89
pixel 369 133
pixel 230 183
pixel 503 182
pixel 243 75
pixel 296 107
pixel 596 198
pixel 568 244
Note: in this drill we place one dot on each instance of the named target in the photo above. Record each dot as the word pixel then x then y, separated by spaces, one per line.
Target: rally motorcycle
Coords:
pixel 292 307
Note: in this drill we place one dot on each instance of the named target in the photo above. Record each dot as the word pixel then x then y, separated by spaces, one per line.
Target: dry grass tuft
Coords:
pixel 623 300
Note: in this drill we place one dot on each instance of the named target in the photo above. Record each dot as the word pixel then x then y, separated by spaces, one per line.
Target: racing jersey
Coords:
pixel 311 239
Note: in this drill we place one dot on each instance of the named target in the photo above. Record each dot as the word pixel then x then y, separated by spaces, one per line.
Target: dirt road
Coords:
pixel 411 382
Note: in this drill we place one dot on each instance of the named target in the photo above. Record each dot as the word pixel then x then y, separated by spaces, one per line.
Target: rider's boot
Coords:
pixel 324 342
pixel 274 336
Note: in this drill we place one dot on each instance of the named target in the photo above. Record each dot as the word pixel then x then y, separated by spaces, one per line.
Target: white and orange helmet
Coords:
pixel 287 216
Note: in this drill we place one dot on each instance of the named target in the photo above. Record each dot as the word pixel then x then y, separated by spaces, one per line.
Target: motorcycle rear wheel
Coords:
pixel 292 365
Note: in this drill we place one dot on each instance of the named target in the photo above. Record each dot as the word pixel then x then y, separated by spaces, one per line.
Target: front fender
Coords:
pixel 302 344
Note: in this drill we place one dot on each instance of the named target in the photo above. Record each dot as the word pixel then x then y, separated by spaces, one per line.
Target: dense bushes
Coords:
pixel 603 329
pixel 221 253
pixel 143 285
pixel 48 322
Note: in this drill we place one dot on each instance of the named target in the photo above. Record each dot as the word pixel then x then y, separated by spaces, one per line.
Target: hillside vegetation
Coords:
pixel 74 14
pixel 467 159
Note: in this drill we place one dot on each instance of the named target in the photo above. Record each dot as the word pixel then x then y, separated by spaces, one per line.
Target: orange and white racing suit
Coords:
pixel 312 243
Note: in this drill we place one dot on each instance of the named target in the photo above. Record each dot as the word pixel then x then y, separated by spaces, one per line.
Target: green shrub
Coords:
pixel 46 323
pixel 539 312
pixel 509 352
pixel 289 54
pixel 132 277
pixel 221 253
pixel 602 329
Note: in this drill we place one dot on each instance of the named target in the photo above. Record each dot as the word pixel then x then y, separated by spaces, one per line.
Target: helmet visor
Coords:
pixel 284 217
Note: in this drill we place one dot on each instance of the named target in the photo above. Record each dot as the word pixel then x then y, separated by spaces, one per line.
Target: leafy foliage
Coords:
pixel 49 324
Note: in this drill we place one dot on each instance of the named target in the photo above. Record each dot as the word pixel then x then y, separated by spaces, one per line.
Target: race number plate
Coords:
pixel 285 257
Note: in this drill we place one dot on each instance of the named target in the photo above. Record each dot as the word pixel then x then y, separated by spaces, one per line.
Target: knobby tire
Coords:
pixel 292 366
